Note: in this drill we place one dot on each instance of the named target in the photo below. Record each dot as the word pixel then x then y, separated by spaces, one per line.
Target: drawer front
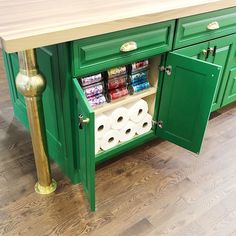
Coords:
pixel 195 29
pixel 101 52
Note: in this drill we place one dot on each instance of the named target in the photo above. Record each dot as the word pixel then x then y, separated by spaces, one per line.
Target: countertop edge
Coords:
pixel 11 45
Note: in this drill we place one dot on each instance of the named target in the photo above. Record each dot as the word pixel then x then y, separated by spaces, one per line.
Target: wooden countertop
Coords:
pixel 33 23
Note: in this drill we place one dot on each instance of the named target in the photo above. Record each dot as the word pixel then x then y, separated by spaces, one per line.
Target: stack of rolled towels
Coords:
pixel 121 124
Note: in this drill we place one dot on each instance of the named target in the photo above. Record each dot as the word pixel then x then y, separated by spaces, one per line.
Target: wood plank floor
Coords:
pixel 157 189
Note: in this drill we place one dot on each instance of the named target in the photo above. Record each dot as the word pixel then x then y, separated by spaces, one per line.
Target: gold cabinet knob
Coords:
pixel 213 25
pixel 128 46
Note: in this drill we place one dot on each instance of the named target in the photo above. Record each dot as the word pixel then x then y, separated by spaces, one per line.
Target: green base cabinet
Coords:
pixel 220 52
pixel 198 77
pixel 181 114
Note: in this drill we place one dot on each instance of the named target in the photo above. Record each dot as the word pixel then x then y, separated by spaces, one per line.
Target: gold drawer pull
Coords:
pixel 213 25
pixel 129 46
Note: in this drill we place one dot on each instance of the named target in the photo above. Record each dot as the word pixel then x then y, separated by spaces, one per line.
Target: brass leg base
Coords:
pixel 31 85
pixel 47 189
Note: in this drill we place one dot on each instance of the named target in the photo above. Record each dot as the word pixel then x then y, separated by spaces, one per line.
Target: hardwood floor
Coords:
pixel 157 189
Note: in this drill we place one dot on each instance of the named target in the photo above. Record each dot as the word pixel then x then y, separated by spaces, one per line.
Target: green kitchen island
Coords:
pixel 190 46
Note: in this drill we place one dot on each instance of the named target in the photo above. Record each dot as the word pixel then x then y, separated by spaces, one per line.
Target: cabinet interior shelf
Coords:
pixel 124 100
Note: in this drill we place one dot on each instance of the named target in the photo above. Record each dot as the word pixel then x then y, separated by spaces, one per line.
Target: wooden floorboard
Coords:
pixel 156 189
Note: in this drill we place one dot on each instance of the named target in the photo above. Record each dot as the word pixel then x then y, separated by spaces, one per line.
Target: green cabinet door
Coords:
pixel 84 137
pixel 221 55
pixel 185 101
pixel 230 90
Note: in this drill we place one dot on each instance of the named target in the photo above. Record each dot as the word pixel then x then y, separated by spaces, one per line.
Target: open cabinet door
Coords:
pixel 84 146
pixel 186 98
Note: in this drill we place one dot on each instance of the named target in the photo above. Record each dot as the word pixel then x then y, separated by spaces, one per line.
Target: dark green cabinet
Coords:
pixel 194 81
pixel 219 52
pixel 183 106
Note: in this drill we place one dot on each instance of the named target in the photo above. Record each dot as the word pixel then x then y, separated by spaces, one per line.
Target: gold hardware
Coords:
pixel 160 124
pixel 31 85
pixel 45 189
pixel 154 122
pixel 204 51
pixel 211 50
pixel 207 52
pixel 167 69
pixel 129 46
pixel 213 25
pixel 82 121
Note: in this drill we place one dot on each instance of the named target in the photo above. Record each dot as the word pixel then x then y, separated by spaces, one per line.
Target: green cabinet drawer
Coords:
pixel 101 52
pixel 199 28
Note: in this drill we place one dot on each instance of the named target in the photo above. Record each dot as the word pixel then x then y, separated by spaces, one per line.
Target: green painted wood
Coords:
pixel 47 59
pixel 71 165
pixel 230 90
pixel 85 144
pixel 193 29
pixel 186 100
pixel 98 53
pixel 49 67
pixel 222 57
pixel 18 102
pixel 123 147
pixel 195 51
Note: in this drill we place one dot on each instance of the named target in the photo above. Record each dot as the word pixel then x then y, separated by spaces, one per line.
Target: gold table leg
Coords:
pixel 31 85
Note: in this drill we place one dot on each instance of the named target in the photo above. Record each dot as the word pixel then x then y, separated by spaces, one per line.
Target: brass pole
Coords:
pixel 31 85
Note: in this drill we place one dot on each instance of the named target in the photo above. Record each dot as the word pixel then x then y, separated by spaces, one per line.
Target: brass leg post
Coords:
pixel 31 84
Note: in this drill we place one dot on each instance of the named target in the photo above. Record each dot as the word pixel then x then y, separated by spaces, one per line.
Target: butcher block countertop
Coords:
pixel 33 23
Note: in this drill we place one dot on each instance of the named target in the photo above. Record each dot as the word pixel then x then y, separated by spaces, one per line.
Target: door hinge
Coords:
pixel 158 123
pixel 167 69
pixel 82 121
